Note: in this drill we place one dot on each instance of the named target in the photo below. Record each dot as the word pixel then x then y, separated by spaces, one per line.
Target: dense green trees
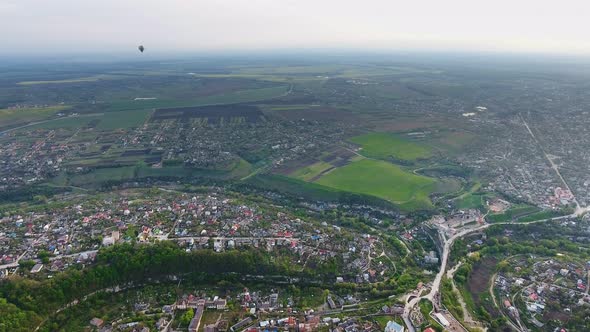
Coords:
pixel 31 193
pixel 119 265
pixel 186 318
pixel 14 319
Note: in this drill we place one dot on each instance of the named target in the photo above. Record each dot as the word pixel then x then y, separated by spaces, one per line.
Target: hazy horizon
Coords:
pixel 117 27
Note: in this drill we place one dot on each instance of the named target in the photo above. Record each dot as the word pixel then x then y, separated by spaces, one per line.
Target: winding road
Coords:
pixel 448 243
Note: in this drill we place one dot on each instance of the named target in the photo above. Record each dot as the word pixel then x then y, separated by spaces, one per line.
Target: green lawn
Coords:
pixel 385 146
pixel 381 179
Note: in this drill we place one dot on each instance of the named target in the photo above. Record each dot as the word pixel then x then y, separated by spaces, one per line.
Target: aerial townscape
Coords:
pixel 233 186
pixel 293 196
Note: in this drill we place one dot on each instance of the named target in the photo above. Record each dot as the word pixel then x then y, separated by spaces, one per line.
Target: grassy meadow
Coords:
pixel 380 179
pixel 386 146
pixel 242 96
pixel 10 117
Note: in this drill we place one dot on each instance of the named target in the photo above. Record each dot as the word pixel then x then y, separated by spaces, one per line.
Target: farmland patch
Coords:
pixel 213 113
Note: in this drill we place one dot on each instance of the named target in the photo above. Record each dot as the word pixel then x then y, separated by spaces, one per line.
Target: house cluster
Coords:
pixel 97 324
pixel 334 302
pixel 561 196
pixel 511 162
pixel 72 233
pixel 49 238
pixel 562 285
pixel 192 302
pixel 312 322
pixel 27 156
pixel 34 155
pixel 257 301
pixel 349 325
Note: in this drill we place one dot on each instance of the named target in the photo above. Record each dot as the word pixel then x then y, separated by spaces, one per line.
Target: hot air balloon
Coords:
pixel 141 48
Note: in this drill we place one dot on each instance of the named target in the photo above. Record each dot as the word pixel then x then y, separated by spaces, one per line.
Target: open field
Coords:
pixel 311 171
pixel 68 122
pixel 386 146
pixel 451 141
pixel 381 179
pixel 101 121
pixel 343 170
pixel 299 112
pixel 72 80
pixel 242 96
pixel 525 213
pixel 123 119
pixel 99 176
pixel 11 117
pixel 213 113
pixel 471 201
pixel 313 191
pixel 337 70
pixel 513 213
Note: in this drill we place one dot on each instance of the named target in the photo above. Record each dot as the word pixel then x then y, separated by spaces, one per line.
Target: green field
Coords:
pixel 69 122
pixel 471 201
pixel 123 119
pixel 451 141
pixel 107 121
pixel 385 146
pixel 339 70
pixel 381 179
pixel 72 80
pixel 514 213
pixel 309 172
pixel 98 176
pixel 242 96
pixel 10 117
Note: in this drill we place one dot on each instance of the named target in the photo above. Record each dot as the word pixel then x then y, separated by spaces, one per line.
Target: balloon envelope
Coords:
pixel 140 47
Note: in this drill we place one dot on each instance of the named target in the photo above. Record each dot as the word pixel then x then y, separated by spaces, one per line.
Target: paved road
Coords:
pixel 448 243
pixel 87 252
pixel 15 263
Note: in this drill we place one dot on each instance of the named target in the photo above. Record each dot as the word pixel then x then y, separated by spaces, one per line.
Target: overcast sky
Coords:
pixel 118 26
